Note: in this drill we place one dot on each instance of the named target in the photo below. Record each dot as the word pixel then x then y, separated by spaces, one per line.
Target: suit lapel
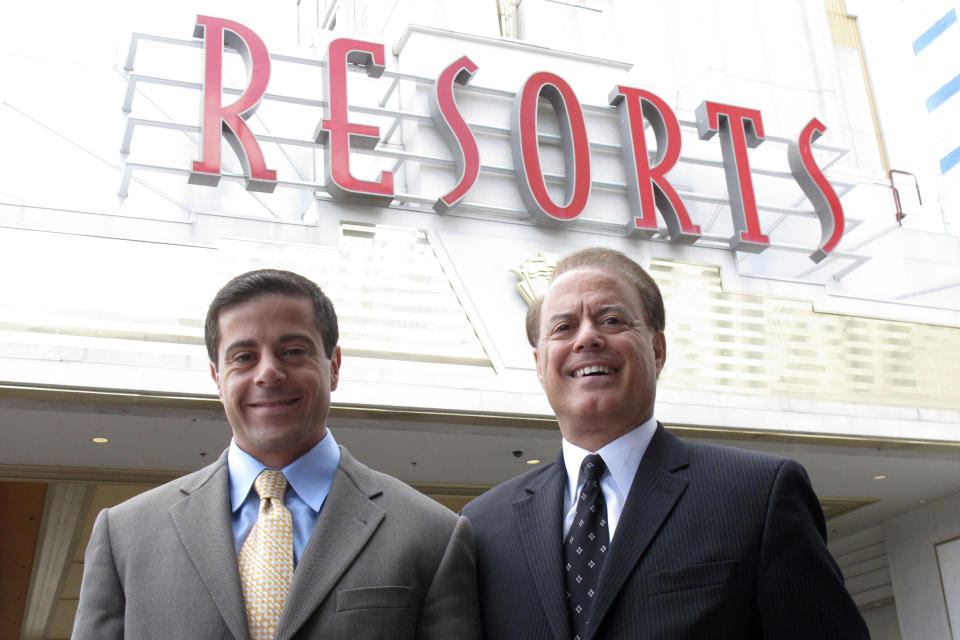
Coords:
pixel 653 494
pixel 202 520
pixel 347 522
pixel 539 523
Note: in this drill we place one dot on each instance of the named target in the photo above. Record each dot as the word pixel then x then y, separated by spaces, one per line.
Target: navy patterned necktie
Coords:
pixel 585 546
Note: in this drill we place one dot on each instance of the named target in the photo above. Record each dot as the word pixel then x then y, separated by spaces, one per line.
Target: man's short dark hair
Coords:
pixel 267 282
pixel 650 297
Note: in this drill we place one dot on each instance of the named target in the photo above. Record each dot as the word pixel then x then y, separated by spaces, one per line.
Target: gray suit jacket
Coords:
pixel 713 543
pixel 384 561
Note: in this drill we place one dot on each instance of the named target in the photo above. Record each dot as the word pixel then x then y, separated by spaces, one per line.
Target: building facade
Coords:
pixel 426 162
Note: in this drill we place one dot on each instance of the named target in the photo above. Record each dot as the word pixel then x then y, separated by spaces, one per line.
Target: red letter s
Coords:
pixel 815 186
pixel 454 129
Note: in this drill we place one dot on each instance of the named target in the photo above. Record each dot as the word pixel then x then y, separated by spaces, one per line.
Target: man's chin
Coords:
pixel 275 437
pixel 598 404
pixel 600 412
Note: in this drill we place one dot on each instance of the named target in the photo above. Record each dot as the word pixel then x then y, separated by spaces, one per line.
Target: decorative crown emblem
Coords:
pixel 534 275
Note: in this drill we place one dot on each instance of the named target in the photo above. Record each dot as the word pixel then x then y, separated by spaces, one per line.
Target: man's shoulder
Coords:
pixel 505 494
pixel 715 455
pixel 164 496
pixel 390 493
pixel 731 467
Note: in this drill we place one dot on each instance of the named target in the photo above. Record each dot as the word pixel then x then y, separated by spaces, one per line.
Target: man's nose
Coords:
pixel 589 337
pixel 270 371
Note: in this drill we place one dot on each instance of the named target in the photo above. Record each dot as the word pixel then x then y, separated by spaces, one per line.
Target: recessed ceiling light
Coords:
pixel 923 501
pixel 533 461
pixel 99 440
pixel 882 476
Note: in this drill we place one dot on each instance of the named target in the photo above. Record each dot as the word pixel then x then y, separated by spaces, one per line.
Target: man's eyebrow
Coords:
pixel 284 339
pixel 615 308
pixel 296 337
pixel 607 308
pixel 562 316
pixel 239 344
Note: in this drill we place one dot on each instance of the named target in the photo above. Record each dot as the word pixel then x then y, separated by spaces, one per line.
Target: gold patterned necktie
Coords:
pixel 266 557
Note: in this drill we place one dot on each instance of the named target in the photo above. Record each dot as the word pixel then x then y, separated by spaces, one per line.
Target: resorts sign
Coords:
pixel 648 188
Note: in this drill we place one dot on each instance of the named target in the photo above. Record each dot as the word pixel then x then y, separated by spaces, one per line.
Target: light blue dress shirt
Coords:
pixel 309 478
pixel 622 457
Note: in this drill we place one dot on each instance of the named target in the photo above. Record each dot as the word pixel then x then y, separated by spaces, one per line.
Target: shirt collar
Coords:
pixel 310 475
pixel 622 457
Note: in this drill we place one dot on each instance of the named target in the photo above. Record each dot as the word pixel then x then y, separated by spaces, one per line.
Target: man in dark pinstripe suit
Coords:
pixel 698 541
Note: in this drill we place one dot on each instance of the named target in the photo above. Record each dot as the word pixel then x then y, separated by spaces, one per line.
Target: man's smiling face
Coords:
pixel 274 377
pixel 596 358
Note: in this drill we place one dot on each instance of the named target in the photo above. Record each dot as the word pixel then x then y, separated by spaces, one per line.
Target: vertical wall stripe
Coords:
pixel 950 160
pixel 933 32
pixel 846 33
pixel 943 94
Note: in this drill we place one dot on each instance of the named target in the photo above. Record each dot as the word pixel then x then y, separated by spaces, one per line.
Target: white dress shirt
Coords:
pixel 622 457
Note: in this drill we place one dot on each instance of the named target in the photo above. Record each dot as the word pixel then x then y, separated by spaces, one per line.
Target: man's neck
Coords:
pixel 281 458
pixel 590 438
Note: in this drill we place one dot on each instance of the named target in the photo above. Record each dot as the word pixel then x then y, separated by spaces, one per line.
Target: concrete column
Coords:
pixel 911 540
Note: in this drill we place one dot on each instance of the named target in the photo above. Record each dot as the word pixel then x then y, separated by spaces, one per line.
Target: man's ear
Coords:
pixel 335 360
pixel 536 360
pixel 660 350
pixel 216 377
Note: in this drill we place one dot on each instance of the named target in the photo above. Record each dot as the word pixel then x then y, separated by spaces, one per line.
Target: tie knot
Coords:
pixel 270 484
pixel 592 467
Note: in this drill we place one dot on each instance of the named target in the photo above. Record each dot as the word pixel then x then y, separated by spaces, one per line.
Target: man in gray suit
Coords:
pixel 373 558
pixel 633 533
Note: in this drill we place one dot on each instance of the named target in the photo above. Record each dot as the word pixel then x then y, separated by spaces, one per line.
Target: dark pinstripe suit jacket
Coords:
pixel 712 543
